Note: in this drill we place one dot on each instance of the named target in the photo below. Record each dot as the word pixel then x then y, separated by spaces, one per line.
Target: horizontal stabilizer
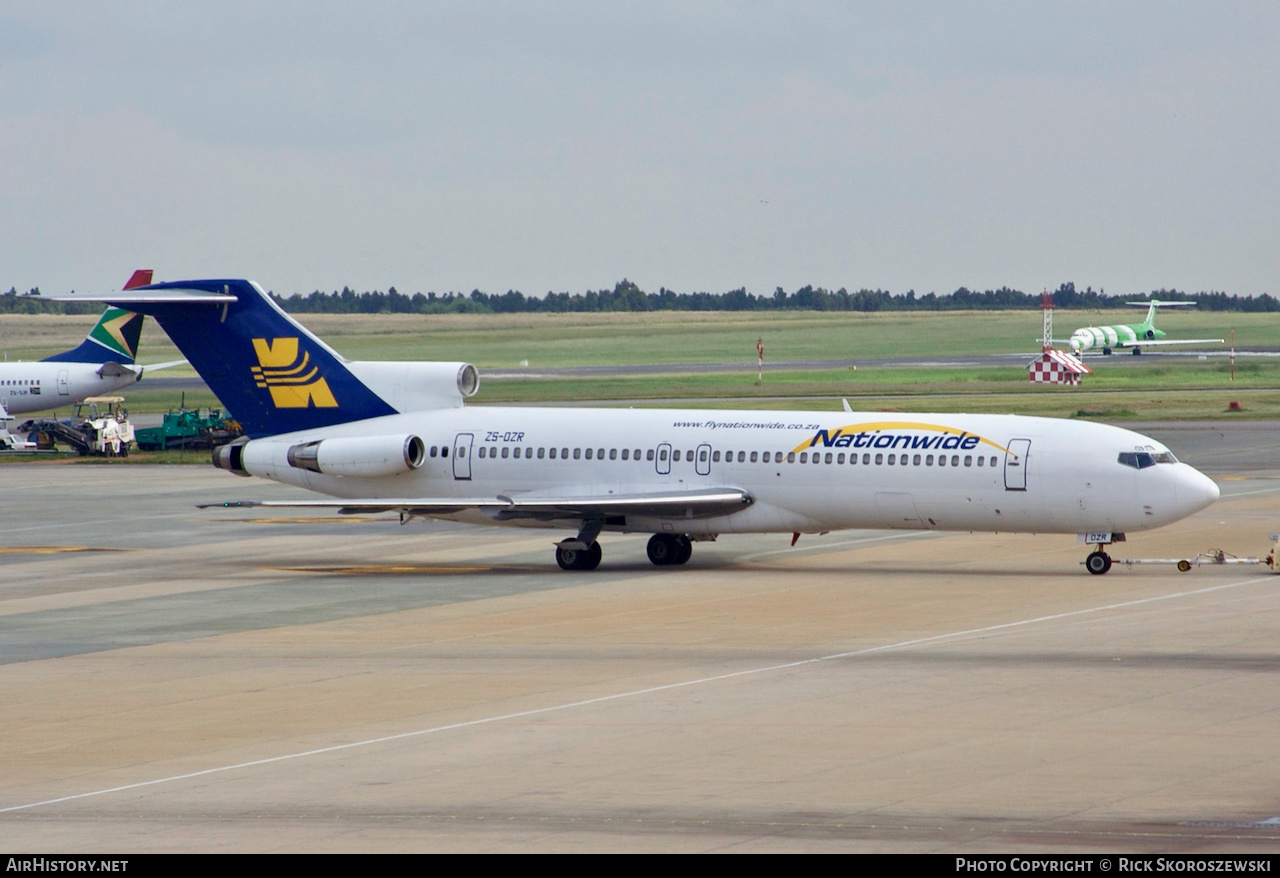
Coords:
pixel 117 370
pixel 147 296
pixel 155 367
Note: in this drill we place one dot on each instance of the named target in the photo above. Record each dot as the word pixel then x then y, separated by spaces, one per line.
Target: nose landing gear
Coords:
pixel 1098 562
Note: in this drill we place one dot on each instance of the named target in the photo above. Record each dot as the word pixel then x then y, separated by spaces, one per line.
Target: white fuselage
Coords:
pixel 1090 337
pixel 824 471
pixel 45 384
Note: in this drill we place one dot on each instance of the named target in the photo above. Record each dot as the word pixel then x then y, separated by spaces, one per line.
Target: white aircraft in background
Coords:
pixel 104 362
pixel 1132 335
pixel 397 437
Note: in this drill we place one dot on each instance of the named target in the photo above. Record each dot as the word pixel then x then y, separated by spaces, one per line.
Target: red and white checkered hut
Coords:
pixel 1057 367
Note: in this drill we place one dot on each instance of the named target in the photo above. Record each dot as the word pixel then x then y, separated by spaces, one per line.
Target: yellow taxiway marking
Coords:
pixel 54 550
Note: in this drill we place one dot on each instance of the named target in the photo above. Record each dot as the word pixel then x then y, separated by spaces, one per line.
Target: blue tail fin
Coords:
pixel 113 339
pixel 268 370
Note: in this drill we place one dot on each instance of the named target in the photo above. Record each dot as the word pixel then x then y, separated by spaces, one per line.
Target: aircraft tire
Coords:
pixel 1106 352
pixel 661 550
pixel 573 559
pixel 567 559
pixel 684 549
pixel 1137 352
pixel 1098 563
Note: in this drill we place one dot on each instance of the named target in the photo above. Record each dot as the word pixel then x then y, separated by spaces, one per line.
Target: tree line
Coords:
pixel 627 296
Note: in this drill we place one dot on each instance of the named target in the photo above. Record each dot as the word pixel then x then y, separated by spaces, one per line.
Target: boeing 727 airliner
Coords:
pixel 398 437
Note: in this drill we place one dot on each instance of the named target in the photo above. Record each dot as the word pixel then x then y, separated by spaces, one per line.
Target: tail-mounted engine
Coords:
pixel 231 457
pixel 415 386
pixel 364 456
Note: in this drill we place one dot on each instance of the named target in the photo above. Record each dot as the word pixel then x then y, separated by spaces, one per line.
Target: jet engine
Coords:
pixel 416 386
pixel 363 456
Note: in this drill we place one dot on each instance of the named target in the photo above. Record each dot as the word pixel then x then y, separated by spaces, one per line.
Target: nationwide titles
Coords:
pixel 896 435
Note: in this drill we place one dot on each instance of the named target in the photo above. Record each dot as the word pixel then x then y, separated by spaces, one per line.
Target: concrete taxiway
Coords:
pixel 176 679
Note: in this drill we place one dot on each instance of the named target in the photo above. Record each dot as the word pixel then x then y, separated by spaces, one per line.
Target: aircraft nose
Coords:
pixel 1194 490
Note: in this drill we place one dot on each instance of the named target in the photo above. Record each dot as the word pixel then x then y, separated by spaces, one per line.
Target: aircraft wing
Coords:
pixel 1146 342
pixel 690 504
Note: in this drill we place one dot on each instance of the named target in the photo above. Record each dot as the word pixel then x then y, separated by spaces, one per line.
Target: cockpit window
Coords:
pixel 1141 458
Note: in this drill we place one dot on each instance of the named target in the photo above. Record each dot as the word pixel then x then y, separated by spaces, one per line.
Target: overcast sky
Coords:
pixel 564 146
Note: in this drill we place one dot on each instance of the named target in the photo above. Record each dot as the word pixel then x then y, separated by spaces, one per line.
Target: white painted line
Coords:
pixel 635 693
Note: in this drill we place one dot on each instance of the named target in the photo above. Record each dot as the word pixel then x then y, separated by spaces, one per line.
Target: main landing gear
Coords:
pixel 583 552
pixel 665 549
pixel 579 559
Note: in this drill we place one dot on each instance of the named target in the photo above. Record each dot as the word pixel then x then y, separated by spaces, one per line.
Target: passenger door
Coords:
pixel 462 456
pixel 1016 460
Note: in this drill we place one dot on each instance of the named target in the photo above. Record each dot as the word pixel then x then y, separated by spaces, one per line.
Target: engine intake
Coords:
pixel 364 456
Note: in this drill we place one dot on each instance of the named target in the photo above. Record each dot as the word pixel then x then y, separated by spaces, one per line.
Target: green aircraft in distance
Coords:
pixel 1132 335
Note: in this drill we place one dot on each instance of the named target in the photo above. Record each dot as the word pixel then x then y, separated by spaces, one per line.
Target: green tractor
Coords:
pixel 189 428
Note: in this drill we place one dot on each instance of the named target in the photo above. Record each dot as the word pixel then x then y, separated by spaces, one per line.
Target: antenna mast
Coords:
pixel 1046 305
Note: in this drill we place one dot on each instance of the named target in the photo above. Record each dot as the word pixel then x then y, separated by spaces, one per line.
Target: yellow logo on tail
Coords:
pixel 292 382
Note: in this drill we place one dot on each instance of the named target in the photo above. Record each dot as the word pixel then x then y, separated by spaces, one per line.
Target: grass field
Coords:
pixel 1159 388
